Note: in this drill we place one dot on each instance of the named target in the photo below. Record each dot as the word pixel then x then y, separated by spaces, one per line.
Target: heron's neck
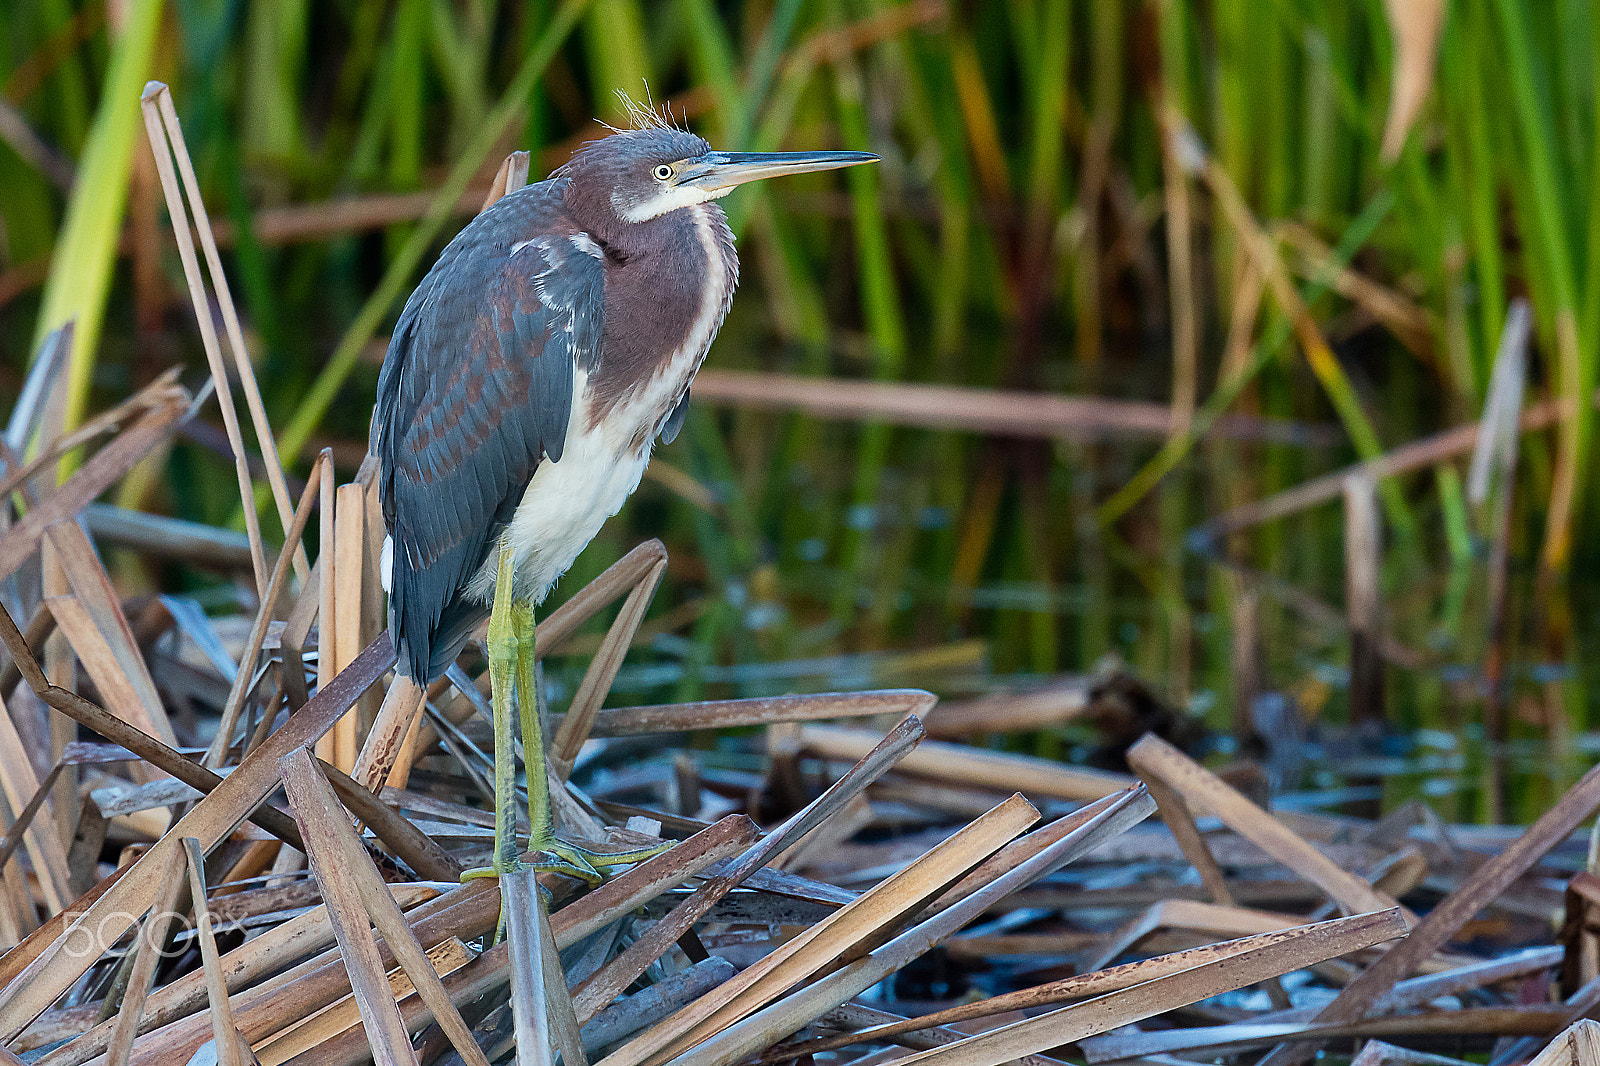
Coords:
pixel 666 295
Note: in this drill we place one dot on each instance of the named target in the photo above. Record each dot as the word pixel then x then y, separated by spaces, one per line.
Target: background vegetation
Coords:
pixel 1274 207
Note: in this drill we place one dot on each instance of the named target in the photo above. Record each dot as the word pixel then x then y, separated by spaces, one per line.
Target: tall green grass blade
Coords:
pixel 80 272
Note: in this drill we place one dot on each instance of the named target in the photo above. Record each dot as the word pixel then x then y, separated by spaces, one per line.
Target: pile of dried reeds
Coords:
pixel 291 893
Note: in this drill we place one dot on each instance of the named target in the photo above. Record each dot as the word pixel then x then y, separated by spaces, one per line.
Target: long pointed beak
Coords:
pixel 723 170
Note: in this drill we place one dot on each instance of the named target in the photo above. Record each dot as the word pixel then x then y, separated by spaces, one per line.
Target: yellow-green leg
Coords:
pixel 501 650
pixel 511 653
pixel 533 754
pixel 502 653
pixel 551 853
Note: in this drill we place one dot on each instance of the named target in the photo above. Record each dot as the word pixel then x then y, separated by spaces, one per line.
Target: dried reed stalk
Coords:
pixel 201 302
pixel 230 314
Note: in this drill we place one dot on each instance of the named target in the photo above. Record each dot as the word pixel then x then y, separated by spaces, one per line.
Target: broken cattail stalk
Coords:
pixel 1200 788
pixel 54 969
pixel 201 303
pixel 230 315
pixel 1442 923
pixel 800 1008
pixel 594 994
pixel 349 880
pixel 970 766
pixel 1292 950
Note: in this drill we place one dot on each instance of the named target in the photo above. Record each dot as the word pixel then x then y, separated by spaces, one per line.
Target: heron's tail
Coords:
pixel 428 659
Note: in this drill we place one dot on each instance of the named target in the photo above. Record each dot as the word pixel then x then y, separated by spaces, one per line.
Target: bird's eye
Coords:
pixel 663 172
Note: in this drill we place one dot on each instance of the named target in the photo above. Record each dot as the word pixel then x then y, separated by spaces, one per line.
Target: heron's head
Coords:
pixel 634 176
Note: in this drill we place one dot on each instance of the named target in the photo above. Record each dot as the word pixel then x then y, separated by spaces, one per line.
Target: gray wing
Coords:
pixel 476 390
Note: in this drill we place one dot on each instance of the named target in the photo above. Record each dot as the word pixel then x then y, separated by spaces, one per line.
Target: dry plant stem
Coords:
pixel 117 731
pixel 1578 1045
pixel 1041 707
pixel 297 626
pixel 273 589
pixel 327 634
pixel 761 710
pixel 401 706
pixel 408 843
pixel 1318 263
pixel 348 565
pixel 856 1016
pixel 230 322
pixel 123 675
pixel 242 968
pixel 1363 567
pixel 163 537
pixel 1189 914
pixel 25 795
pixel 216 984
pixel 1012 414
pixel 1294 949
pixel 19 474
pixel 348 878
pixel 54 970
pixel 1097 983
pixel 17 959
pixel 1486 883
pixel 845 935
pixel 1213 1042
pixel 1417 455
pixel 779 1020
pixel 467 911
pixel 329 839
pixel 13 837
pixel 529 997
pixel 579 720
pixel 593 995
pixel 109 464
pixel 1199 787
pixel 1513 356
pixel 648 1006
pixel 39 629
pixel 1180 254
pixel 563 1019
pixel 151 941
pixel 1019 851
pixel 208 329
pixel 621 576
pixel 1176 814
pixel 512 175
pixel 1378 1053
pixel 1417 991
pixel 958 763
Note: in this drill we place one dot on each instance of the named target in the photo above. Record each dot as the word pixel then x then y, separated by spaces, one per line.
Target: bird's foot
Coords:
pixel 596 865
pixel 570 860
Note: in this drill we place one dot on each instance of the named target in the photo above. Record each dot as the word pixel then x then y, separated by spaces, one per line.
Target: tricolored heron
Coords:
pixel 527 380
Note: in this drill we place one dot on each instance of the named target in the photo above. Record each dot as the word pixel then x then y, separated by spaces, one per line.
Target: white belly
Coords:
pixel 567 502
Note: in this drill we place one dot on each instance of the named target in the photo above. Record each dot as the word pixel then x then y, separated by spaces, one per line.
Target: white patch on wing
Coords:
pixel 386 564
pixel 520 245
pixel 586 244
pixel 568 501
